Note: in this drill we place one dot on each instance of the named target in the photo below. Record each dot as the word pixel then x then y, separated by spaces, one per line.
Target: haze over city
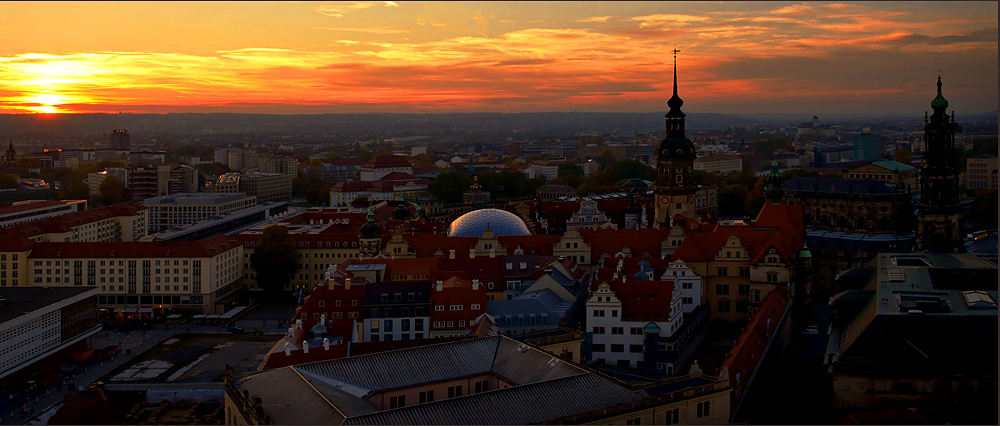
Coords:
pixel 370 56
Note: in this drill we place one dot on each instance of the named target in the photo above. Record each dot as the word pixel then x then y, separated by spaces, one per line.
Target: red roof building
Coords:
pixel 456 303
pixel 337 300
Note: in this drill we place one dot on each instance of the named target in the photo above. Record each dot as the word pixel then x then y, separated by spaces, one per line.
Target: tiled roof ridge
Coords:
pixel 323 397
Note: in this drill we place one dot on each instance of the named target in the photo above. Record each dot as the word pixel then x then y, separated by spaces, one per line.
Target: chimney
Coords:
pixel 298 324
pixel 288 349
pixel 493 253
pixel 475 285
pixel 451 254
pixel 347 284
pixel 305 346
pixel 322 320
pixel 439 286
pixel 291 331
pixel 472 253
pixel 326 344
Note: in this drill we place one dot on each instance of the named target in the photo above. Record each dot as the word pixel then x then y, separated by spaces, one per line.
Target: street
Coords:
pixel 270 319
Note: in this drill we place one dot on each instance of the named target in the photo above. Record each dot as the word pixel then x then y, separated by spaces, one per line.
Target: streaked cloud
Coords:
pixel 382 56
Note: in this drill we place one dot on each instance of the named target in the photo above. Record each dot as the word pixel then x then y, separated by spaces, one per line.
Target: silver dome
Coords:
pixel 502 223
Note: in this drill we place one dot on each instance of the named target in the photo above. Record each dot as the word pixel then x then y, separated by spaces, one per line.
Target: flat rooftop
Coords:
pixel 196 198
pixel 18 301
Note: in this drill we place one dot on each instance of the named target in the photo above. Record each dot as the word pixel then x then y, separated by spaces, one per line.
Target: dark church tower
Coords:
pixel 674 186
pixel 939 224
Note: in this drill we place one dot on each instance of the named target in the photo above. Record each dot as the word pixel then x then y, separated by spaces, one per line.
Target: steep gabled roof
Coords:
pixel 643 300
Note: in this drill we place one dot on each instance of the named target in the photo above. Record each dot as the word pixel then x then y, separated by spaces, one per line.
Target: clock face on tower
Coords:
pixel 665 200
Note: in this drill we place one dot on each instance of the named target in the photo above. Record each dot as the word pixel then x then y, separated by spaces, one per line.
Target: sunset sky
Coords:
pixel 318 57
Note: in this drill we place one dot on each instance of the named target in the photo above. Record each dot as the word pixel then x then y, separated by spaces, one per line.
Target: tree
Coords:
pixel 316 162
pixel 570 169
pixel 318 193
pixel 630 169
pixel 74 191
pixel 902 155
pixel 8 180
pixel 274 260
pixel 111 191
pixel 424 159
pixel 449 186
pixel 365 156
pixel 605 159
pixel 732 201
pixel 361 201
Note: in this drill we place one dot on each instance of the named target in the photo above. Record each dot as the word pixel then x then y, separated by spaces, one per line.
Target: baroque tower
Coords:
pixel 674 187
pixel 939 224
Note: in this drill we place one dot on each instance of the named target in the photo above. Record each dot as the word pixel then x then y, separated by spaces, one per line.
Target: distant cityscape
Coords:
pixel 499 269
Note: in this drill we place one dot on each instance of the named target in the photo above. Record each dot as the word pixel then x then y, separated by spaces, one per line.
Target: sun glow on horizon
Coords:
pixel 500 57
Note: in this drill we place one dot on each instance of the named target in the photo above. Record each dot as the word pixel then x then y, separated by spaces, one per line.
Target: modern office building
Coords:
pixel 265 186
pixel 170 211
pixel 120 140
pixel 42 327
pixel 867 147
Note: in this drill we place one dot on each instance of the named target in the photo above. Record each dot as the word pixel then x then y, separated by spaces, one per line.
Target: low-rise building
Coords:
pixel 981 171
pixel 32 210
pixel 265 186
pixel 491 380
pixel 887 171
pixel 170 211
pixel 551 192
pixel 117 222
pixel 148 277
pixel 456 304
pixel 720 164
pixel 396 311
pixel 41 328
pixel 920 332
pixel 380 166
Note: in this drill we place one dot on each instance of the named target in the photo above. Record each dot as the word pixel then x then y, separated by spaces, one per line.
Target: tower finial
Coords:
pixel 675 71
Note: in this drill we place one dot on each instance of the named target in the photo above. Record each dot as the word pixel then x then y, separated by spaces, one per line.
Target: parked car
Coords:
pixel 235 329
pixel 812 330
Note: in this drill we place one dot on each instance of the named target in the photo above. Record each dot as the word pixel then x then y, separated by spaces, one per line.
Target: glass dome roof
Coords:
pixel 503 223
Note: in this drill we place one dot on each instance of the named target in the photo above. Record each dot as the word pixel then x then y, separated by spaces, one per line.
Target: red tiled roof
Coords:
pixel 612 241
pixel 458 291
pixel 365 348
pixel 642 300
pixel 426 244
pixel 399 176
pixel 277 358
pixel 30 206
pixel 419 170
pixel 756 240
pixel 329 295
pixel 750 346
pixel 386 162
pixel 540 244
pixel 208 247
pixel 66 222
pixel 15 243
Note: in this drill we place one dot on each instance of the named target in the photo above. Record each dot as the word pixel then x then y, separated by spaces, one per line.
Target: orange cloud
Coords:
pixel 445 56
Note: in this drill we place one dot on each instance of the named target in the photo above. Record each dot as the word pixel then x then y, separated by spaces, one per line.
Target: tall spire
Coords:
pixel 674 117
pixel 675 101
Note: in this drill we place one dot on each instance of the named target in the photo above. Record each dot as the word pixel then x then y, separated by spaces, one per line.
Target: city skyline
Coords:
pixel 328 57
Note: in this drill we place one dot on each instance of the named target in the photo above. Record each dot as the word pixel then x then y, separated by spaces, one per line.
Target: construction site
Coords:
pixel 96 405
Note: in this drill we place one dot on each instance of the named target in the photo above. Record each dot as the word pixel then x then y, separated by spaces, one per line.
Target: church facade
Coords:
pixel 939 223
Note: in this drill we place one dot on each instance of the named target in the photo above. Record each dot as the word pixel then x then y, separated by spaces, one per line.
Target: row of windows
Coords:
pixel 449 324
pixel 617 348
pixel 388 337
pixel 619 330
